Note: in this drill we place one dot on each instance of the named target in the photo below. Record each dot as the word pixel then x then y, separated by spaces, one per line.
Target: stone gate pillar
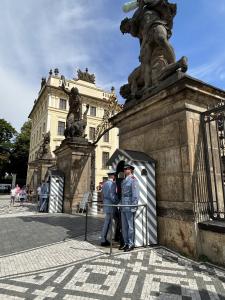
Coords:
pixel 73 158
pixel 165 124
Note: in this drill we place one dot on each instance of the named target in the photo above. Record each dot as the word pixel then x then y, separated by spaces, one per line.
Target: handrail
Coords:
pixel 111 217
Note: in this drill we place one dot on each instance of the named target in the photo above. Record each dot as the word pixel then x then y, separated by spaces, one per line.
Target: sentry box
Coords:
pixel 56 192
pixel 145 174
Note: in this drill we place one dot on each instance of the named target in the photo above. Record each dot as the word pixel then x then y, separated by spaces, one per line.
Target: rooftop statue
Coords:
pixel 86 76
pixel 152 24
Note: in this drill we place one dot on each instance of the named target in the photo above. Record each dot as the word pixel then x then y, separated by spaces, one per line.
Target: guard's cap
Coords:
pixel 111 172
pixel 127 166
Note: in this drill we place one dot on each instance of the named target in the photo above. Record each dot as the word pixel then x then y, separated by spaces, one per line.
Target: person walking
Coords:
pixel 109 197
pixel 17 189
pixel 13 196
pixel 130 196
pixel 23 195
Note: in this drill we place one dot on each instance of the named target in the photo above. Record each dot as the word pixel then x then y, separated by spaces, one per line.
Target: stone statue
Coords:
pixel 44 151
pixel 85 76
pixel 75 125
pixel 152 24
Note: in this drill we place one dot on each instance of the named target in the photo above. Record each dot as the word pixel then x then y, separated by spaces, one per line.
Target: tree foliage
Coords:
pixel 20 151
pixel 7 133
pixel 7 137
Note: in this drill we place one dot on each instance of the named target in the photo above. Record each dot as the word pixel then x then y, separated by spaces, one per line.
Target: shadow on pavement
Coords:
pixel 23 233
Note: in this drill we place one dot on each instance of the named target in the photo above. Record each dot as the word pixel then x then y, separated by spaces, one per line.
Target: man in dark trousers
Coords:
pixel 109 197
pixel 130 196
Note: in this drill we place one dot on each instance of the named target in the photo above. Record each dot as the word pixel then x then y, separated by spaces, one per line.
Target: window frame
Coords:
pixel 64 106
pixel 95 111
pixel 59 128
pixel 106 140
pixel 104 160
pixel 94 130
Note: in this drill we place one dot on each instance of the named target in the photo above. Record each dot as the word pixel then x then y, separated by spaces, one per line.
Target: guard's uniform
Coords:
pixel 109 197
pixel 130 196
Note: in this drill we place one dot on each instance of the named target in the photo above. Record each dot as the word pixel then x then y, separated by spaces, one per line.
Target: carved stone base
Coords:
pixel 165 124
pixel 73 158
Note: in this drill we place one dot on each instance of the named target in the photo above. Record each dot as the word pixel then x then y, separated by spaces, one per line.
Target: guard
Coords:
pixel 109 197
pixel 130 196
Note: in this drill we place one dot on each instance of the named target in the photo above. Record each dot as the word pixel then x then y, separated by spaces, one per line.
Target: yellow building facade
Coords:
pixel 49 115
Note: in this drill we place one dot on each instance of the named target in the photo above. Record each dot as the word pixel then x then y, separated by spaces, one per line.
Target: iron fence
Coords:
pixel 213 130
pixel 111 219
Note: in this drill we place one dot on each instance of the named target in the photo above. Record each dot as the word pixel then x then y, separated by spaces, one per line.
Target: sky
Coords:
pixel 39 35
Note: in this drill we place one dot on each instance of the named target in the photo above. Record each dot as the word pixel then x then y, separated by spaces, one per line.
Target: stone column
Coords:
pixel 166 125
pixel 73 158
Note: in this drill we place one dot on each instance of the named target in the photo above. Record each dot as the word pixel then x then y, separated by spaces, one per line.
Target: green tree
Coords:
pixel 7 133
pixel 7 136
pixel 20 151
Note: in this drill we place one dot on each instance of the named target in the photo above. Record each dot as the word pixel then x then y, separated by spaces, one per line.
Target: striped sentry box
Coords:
pixel 145 174
pixel 56 193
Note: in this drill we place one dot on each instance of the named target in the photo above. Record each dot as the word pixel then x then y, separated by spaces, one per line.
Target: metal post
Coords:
pixel 111 219
pixel 146 225
pixel 86 223
pixel 207 165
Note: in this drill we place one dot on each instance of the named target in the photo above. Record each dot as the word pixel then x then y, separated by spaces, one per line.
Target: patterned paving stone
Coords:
pixel 161 275
pixel 46 257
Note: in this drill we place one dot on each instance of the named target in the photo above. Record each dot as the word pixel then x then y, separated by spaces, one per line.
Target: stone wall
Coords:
pixel 212 246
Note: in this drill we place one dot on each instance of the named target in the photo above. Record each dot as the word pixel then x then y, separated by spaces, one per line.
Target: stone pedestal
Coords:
pixel 166 126
pixel 73 158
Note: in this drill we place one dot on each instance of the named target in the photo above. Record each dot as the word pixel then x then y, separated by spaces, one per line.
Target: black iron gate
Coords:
pixel 213 125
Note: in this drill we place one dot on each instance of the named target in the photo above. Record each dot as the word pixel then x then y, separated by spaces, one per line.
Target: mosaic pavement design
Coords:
pixel 153 273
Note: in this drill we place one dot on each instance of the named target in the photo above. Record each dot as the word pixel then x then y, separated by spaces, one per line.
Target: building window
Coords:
pixel 62 104
pixel 93 111
pixel 106 137
pixel 105 158
pixel 92 133
pixel 61 127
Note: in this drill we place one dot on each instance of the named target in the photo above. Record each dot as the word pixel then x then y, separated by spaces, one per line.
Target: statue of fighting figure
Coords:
pixel 75 124
pixel 44 151
pixel 152 24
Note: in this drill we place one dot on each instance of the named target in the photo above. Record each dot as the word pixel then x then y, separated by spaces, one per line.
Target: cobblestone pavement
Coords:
pixel 47 258
pixel 6 209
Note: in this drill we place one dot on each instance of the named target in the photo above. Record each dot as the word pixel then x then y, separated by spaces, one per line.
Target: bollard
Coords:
pixel 94 208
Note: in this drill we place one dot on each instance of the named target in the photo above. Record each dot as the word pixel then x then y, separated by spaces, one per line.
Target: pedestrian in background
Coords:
pixel 13 196
pixel 23 195
pixel 17 197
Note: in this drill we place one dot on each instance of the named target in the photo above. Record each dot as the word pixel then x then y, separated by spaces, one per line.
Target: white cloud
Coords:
pixel 211 71
pixel 16 98
pixel 43 34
